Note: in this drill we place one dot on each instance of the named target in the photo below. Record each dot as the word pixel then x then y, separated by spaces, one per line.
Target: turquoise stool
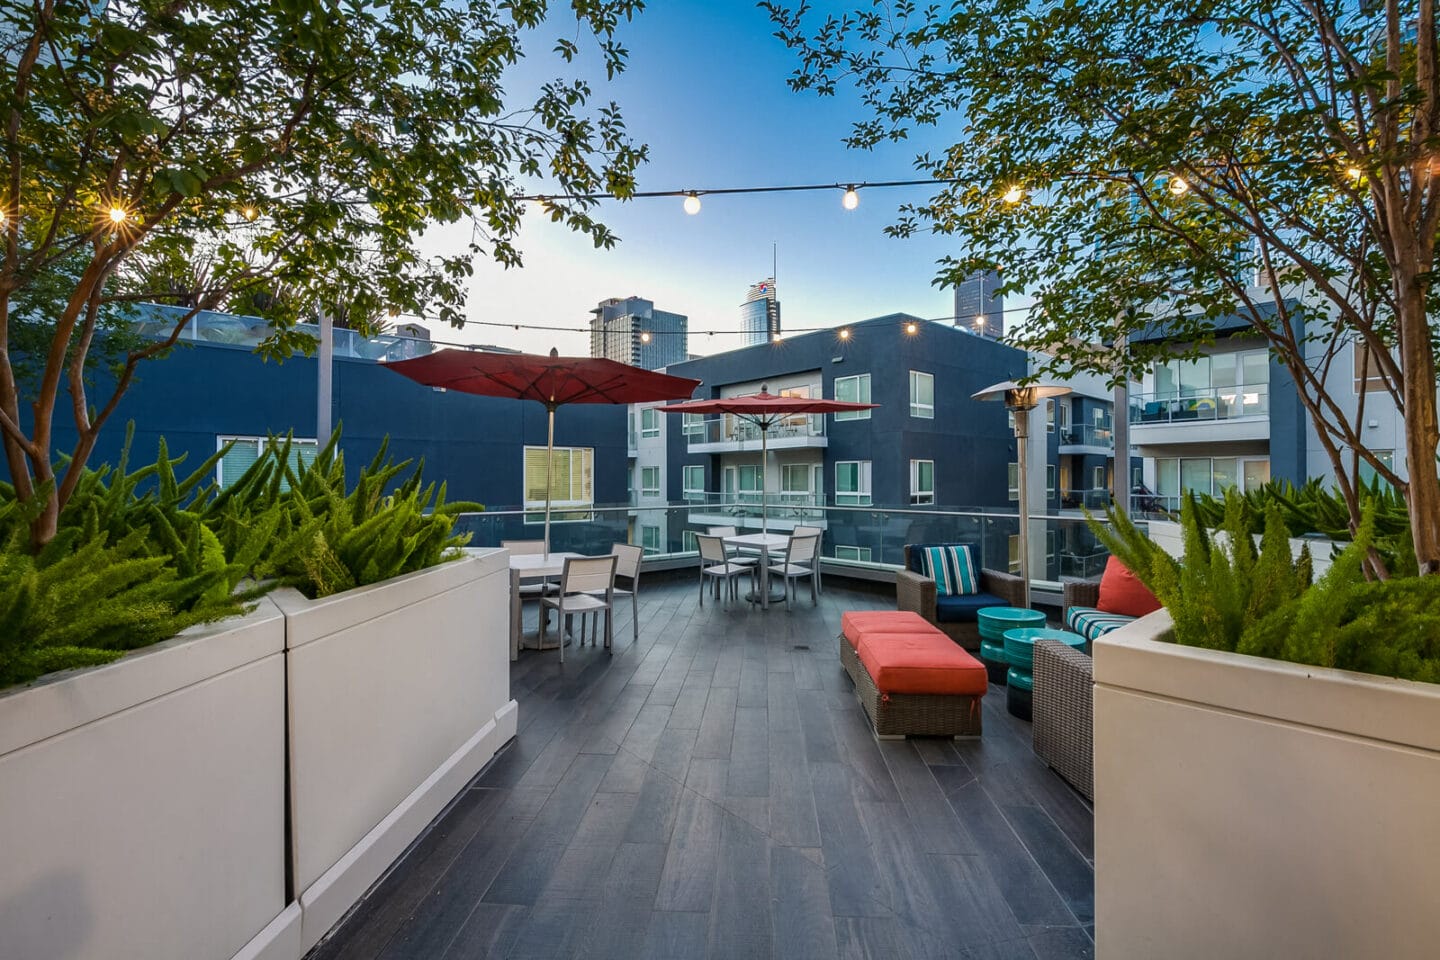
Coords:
pixel 1020 653
pixel 993 622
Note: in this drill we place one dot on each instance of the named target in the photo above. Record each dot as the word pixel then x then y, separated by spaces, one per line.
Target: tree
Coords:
pixel 1152 163
pixel 194 152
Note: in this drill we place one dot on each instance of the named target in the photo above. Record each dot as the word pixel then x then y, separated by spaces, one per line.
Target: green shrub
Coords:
pixel 1230 596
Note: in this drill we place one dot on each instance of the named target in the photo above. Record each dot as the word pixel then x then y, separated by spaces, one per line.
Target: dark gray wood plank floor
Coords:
pixel 713 790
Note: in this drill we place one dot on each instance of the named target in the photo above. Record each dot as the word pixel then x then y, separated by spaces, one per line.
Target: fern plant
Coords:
pixel 1226 594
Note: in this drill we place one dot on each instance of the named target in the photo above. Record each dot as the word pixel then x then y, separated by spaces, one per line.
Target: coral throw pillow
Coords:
pixel 1122 592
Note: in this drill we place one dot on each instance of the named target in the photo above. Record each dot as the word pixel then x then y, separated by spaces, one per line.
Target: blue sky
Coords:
pixel 705 88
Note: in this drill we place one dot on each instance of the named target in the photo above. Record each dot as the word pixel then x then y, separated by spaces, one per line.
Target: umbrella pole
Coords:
pixel 549 466
pixel 764 475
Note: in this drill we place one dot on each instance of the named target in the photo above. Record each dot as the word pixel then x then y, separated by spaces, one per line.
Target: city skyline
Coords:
pixel 711 127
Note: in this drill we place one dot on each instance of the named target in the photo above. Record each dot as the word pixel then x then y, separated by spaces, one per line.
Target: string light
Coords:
pixel 844 333
pixel 1178 186
pixel 1353 173
pixel 249 212
pixel 644 336
pixel 777 338
pixel 1014 194
pixel 692 203
pixel 979 321
pixel 118 215
pixel 912 328
pixel 851 200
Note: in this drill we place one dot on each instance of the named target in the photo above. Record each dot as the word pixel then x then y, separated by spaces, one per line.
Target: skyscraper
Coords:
pixel 979 306
pixel 632 331
pixel 760 313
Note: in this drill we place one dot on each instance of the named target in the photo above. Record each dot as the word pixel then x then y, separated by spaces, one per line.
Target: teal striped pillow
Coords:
pixel 952 569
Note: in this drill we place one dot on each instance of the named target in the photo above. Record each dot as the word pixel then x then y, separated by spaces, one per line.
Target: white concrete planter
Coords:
pixel 1254 808
pixel 399 694
pixel 1169 537
pixel 142 803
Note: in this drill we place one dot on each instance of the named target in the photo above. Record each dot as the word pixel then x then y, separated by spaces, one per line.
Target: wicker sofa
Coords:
pixel 1063 715
pixel 916 592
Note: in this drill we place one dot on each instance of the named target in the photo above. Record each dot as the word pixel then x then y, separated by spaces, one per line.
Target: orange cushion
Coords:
pixel 854 624
pixel 921 663
pixel 1122 592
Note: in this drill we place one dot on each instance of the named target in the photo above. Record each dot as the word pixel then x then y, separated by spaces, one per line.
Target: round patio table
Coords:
pixel 992 623
pixel 1020 653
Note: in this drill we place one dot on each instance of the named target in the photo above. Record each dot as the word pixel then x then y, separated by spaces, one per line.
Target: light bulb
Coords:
pixel 844 333
pixel 644 336
pixel 692 203
pixel 776 339
pixel 249 212
pixel 117 215
pixel 851 200
pixel 911 328
pixel 1178 186
pixel 1014 194
pixel 979 322
pixel 4 217
pixel 1353 173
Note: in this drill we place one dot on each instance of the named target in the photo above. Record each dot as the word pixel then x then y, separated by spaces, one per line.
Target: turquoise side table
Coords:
pixel 1019 647
pixel 993 622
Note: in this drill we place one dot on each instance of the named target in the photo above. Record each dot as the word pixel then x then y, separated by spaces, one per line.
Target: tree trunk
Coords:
pixel 1422 433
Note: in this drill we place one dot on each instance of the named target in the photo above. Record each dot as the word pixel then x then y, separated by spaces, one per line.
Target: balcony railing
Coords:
pixel 206 327
pixel 1223 403
pixel 735 430
pixel 866 538
pixel 1088 435
pixel 783 505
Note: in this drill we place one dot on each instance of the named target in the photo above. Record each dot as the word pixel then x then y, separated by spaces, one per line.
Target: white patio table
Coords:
pixel 530 566
pixel 765 542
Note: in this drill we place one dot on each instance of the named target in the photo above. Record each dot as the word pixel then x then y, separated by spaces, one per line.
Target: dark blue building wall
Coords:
pixel 1288 420
pixel 472 443
pixel 970 441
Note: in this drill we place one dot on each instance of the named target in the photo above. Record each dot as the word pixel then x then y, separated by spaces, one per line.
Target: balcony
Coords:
pixel 731 434
pixel 784 510
pixel 1087 438
pixel 1219 415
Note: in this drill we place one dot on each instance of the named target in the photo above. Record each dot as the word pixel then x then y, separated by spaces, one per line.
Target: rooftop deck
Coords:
pixel 714 791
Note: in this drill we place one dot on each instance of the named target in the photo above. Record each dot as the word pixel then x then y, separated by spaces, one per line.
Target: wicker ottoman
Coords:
pixel 912 681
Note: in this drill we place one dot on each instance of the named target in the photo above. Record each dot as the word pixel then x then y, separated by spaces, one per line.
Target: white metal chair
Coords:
pixel 587 585
pixel 801 560
pixel 533 590
pixel 738 555
pixel 627 565
pixel 819 535
pixel 716 565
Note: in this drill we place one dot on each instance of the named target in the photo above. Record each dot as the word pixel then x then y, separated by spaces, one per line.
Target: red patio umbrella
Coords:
pixel 553 381
pixel 764 410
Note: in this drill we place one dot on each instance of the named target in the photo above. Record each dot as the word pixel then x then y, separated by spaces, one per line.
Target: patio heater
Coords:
pixel 1021 400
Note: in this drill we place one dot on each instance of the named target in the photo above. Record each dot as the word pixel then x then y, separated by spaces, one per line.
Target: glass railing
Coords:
pixel 1220 403
pixel 224 328
pixel 1095 499
pixel 735 430
pixel 868 538
pixel 784 505
pixel 1087 435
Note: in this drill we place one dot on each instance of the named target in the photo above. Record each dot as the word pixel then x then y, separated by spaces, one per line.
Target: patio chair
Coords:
pixel 819 535
pixel 627 565
pixel 735 554
pixel 587 585
pixel 801 559
pixel 1062 713
pixel 532 590
pixel 955 615
pixel 717 566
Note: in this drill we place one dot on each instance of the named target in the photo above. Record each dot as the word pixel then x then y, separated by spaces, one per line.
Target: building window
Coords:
pixel 856 554
pixel 247 450
pixel 1062 414
pixel 693 426
pixel 922 395
pixel 649 481
pixel 1014 553
pixel 1368 378
pixel 853 390
pixel 572 483
pixel 1013 475
pixel 649 422
pixel 1368 475
pixel 795 484
pixel 1050 481
pixel 922 481
pixel 688 543
pixel 650 539
pixel 852 483
pixel 692 482
pixel 1050 415
pixel 1176 476
pixel 1097 481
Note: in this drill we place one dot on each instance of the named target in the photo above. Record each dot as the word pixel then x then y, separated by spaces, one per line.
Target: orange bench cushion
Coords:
pixel 855 624
pixel 921 663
